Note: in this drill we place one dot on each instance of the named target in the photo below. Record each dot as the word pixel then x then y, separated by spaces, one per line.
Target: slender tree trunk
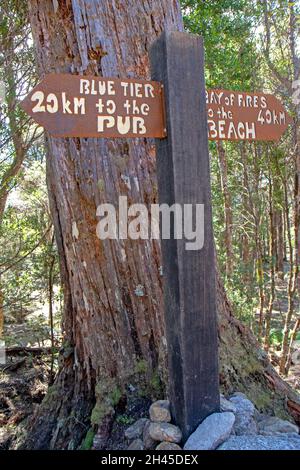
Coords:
pixel 272 237
pixel 259 240
pixel 1 312
pixel 285 244
pixel 280 251
pixel 227 208
pixel 51 319
pixel 113 319
pixel 283 367
pixel 248 250
pixel 247 227
pixel 290 290
pixel 260 281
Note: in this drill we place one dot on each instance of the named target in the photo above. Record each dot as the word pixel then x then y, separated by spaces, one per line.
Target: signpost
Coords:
pixel 81 106
pixel 234 115
pixel 177 60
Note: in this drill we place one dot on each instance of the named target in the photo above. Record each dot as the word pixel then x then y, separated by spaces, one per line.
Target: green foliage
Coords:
pixel 99 412
pixel 28 258
pixel 141 367
pixel 276 336
pixel 242 305
pixel 27 240
pixel 226 27
pixel 88 440
pixel 108 394
pixel 115 396
pixel 125 420
pixel 149 381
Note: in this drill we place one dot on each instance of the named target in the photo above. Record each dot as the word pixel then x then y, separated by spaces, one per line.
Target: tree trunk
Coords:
pixel 247 228
pixel 113 319
pixel 291 289
pixel 227 208
pixel 272 244
pixel 51 260
pixel 1 312
pixel 280 249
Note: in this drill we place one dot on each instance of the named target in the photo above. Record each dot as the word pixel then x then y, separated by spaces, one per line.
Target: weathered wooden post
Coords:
pixel 177 60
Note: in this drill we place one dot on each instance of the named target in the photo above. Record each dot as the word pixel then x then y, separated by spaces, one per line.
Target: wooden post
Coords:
pixel 177 60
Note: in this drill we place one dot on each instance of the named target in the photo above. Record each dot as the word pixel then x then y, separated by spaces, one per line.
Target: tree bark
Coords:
pixel 113 315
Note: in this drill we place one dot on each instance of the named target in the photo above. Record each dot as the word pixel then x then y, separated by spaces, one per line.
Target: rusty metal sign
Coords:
pixel 80 106
pixel 234 115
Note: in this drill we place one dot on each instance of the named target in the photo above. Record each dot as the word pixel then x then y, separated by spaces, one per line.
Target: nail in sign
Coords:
pixel 80 106
pixel 237 116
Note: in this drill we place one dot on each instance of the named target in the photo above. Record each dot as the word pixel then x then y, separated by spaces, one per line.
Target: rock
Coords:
pixel 160 411
pixel 168 446
pixel 242 404
pixel 149 443
pixel 261 443
pixel 214 430
pixel 226 405
pixel 165 432
pixel 296 357
pixel 276 425
pixel 296 344
pixel 279 434
pixel 137 444
pixel 245 423
pixel 136 430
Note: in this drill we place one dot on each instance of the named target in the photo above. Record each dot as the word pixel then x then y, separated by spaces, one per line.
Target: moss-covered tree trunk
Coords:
pixel 113 318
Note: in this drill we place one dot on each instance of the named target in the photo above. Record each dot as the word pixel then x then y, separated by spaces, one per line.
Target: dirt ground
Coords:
pixel 23 384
